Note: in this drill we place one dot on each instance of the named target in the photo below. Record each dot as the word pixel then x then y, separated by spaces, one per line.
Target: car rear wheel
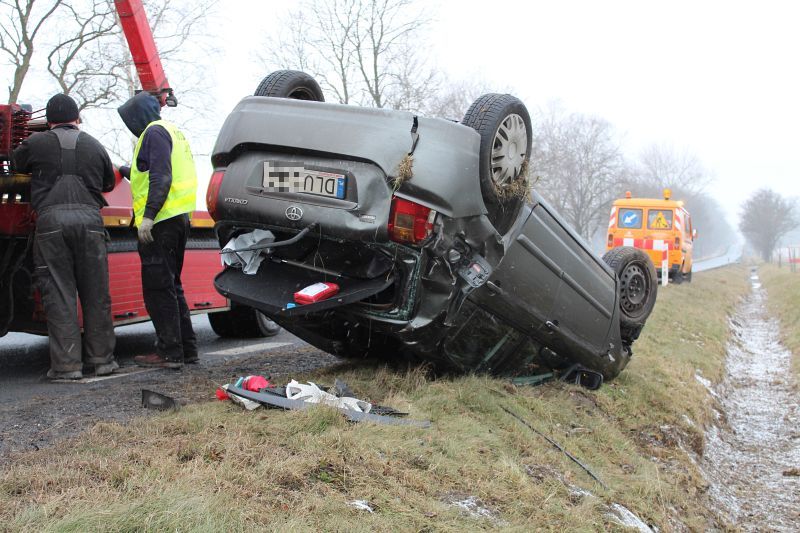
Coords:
pixel 290 84
pixel 242 322
pixel 504 125
pixel 637 288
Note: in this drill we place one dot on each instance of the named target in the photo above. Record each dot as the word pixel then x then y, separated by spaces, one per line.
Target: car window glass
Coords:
pixel 630 219
pixel 481 338
pixel 659 219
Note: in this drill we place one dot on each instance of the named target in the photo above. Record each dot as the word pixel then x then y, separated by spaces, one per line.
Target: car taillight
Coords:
pixel 410 222
pixel 213 192
pixel 610 240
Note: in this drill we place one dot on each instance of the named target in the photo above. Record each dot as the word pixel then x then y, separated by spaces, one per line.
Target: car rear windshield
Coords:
pixel 630 219
pixel 659 219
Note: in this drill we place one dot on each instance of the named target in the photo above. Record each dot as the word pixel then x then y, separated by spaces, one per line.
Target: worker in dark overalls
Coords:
pixel 164 188
pixel 69 171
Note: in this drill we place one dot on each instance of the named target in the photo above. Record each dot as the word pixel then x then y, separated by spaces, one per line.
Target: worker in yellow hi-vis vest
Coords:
pixel 164 187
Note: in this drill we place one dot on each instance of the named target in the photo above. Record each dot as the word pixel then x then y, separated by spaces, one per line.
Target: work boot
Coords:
pixel 75 374
pixel 191 359
pixel 105 369
pixel 155 360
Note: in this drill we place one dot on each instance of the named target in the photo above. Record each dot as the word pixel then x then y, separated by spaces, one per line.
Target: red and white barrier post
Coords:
pixel 664 247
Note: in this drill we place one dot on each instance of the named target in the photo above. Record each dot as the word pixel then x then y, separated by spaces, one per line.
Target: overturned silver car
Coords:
pixel 429 231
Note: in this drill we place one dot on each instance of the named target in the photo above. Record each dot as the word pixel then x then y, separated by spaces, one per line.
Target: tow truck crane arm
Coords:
pixel 133 20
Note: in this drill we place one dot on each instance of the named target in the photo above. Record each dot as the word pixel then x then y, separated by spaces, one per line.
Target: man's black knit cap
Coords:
pixel 61 108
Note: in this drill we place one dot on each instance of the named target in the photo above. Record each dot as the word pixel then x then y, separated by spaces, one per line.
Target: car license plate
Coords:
pixel 284 177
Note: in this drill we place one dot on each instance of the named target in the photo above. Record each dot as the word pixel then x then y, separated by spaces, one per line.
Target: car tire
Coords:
pixel 637 287
pixel 242 322
pixel 290 84
pixel 504 125
pixel 266 327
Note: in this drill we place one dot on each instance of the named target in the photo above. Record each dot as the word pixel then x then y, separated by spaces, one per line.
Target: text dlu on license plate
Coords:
pixel 282 177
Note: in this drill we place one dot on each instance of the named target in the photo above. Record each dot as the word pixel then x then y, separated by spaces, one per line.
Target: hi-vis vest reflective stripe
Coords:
pixel 183 190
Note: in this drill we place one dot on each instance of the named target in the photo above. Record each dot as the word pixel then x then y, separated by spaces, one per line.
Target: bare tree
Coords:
pixel 23 21
pixel 361 51
pixel 579 166
pixel 664 166
pixel 766 217
pixel 79 62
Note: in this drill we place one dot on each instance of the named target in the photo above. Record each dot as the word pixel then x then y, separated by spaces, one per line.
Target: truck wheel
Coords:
pixel 242 322
pixel 504 125
pixel 266 327
pixel 637 287
pixel 290 84
pixel 688 276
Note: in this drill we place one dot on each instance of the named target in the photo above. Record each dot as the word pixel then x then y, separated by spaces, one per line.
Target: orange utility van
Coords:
pixel 662 228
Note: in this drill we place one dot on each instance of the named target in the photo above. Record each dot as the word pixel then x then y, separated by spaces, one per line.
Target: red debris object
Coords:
pixel 222 395
pixel 316 293
pixel 255 383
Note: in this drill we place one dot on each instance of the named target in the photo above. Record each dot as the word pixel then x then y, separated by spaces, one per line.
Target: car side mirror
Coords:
pixel 582 376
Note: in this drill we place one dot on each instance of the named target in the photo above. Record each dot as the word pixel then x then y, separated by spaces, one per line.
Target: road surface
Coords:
pixel 732 255
pixel 34 412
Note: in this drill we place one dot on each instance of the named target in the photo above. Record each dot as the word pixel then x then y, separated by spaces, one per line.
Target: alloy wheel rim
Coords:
pixel 509 150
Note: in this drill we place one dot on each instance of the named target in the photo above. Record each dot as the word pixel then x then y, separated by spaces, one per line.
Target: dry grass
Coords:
pixel 783 290
pixel 214 467
pixel 404 172
pixel 519 187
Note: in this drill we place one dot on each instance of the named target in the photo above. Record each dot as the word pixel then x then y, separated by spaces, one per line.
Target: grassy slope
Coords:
pixel 783 290
pixel 214 467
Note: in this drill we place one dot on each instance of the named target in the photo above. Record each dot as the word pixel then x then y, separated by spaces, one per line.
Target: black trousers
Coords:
pixel 70 254
pixel 162 263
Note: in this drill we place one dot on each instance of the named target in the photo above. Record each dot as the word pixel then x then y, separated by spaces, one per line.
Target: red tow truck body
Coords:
pixel 20 304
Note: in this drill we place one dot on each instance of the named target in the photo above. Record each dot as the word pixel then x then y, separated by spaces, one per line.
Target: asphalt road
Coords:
pixel 732 255
pixel 35 412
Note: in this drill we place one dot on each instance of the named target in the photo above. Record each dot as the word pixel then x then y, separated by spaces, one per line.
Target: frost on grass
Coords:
pixel 361 505
pixel 475 508
pixel 624 517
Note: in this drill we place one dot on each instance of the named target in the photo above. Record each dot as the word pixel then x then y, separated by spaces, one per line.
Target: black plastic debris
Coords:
pixel 157 401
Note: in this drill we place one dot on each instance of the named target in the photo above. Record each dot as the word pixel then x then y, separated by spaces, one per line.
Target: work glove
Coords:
pixel 146 231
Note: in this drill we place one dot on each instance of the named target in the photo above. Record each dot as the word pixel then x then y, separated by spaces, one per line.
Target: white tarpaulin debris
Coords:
pixel 251 260
pixel 311 393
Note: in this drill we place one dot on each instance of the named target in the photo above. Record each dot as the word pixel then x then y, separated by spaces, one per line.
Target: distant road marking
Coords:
pixel 264 346
pixel 115 375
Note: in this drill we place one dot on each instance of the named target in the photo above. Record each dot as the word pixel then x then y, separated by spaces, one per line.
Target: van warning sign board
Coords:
pixel 659 219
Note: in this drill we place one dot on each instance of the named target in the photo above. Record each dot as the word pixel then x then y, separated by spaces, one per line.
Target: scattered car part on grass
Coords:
pixel 557 445
pixel 576 374
pixel 158 401
pixel 354 416
pixel 311 393
pixel 429 228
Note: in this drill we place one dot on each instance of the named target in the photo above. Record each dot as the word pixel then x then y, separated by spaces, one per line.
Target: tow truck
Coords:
pixel 21 307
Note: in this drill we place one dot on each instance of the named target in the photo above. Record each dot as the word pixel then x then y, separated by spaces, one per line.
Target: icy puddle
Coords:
pixel 753 453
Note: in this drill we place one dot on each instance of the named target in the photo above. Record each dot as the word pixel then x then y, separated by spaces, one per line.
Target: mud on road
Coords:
pixel 751 453
pixel 34 413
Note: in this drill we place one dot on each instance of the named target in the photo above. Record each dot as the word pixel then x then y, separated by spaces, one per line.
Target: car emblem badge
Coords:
pixel 294 213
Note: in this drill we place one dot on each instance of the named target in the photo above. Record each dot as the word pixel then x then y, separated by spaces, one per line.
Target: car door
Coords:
pixel 523 287
pixel 584 304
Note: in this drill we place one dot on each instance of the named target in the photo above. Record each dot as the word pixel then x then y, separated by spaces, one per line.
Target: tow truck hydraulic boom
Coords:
pixel 133 19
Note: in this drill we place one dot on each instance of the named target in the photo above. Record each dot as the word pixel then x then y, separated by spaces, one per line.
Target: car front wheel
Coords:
pixel 637 286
